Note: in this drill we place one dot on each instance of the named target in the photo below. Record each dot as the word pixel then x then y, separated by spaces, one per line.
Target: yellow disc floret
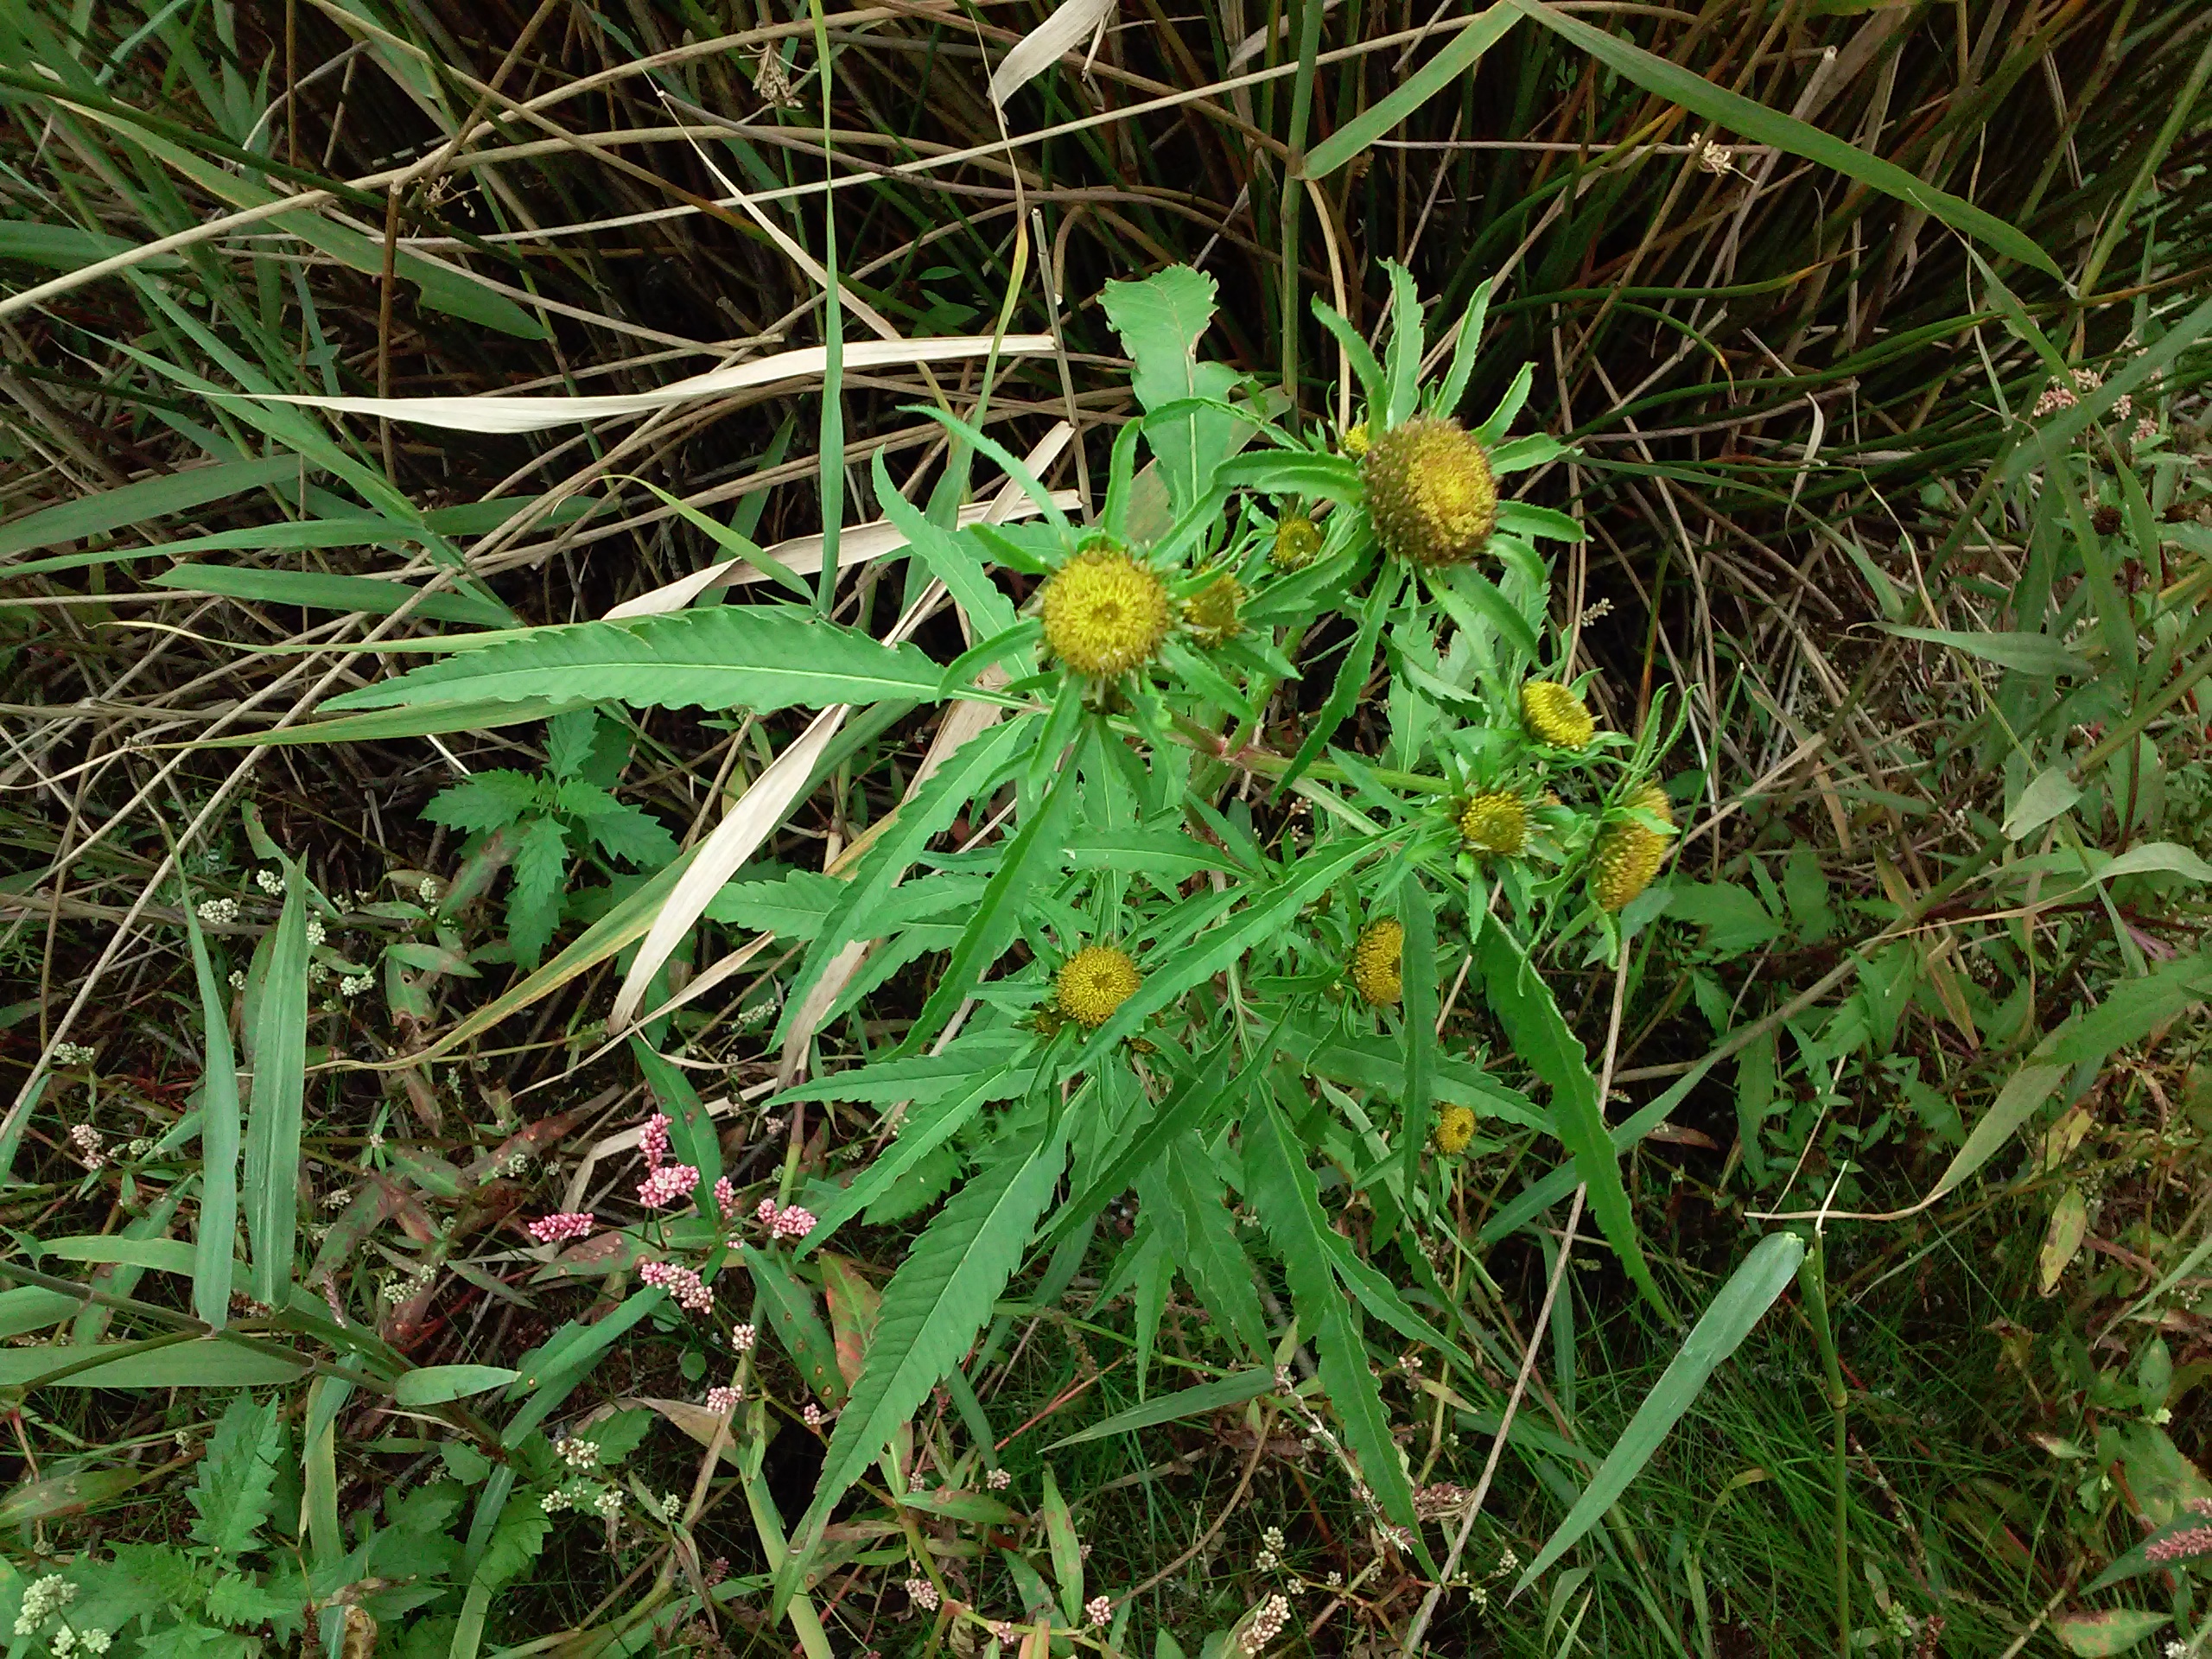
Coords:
pixel 1211 611
pixel 1105 612
pixel 1094 982
pixel 1498 822
pixel 1297 540
pixel 1374 962
pixel 1628 853
pixel 1430 492
pixel 1555 715
pixel 1455 1128
pixel 1354 441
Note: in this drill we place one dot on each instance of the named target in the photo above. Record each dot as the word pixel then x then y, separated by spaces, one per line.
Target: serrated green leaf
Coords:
pixel 1540 1035
pixel 534 902
pixel 919 1134
pixel 1202 1242
pixel 244 1604
pixel 631 835
pixel 726 656
pixel 490 800
pixel 516 1540
pixel 237 1482
pixel 931 1311
pixel 1282 1190
pixel 1159 320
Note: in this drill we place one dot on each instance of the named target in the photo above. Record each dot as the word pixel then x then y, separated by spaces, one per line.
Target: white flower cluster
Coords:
pixel 353 984
pixel 923 1594
pixel 271 882
pixel 1271 1548
pixel 46 1597
pixel 218 912
pixel 73 1054
pixel 85 1141
pixel 66 1642
pixel 1267 1622
pixel 316 932
pixel 580 1453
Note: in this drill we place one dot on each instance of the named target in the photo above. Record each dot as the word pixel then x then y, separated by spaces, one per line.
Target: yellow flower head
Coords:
pixel 1374 962
pixel 1211 611
pixel 1455 1128
pixel 1555 715
pixel 1297 540
pixel 1497 823
pixel 1094 982
pixel 1354 441
pixel 1105 612
pixel 1430 492
pixel 1627 855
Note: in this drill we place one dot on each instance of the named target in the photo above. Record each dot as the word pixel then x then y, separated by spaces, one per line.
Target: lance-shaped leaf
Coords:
pixel 732 655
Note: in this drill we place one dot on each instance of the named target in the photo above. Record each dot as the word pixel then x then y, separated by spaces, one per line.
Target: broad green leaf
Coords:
pixel 1733 919
pixel 433 1385
pixel 728 656
pixel 1202 1242
pixel 272 1128
pixel 1232 1390
pixel 1743 1301
pixel 313 590
pixel 2114 1630
pixel 216 1243
pixel 931 1311
pixel 58 1496
pixel 534 902
pixel 211 1362
pixel 433 719
pixel 158 1255
pixel 237 1480
pixel 1458 56
pixel 143 503
pixel 34 1307
pixel 787 1306
pixel 1540 1035
pixel 2037 654
pixel 1067 1552
pixel 1281 1188
pixel 1159 320
pixel 1734 113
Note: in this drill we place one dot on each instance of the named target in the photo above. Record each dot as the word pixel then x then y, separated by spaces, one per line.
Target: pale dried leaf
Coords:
pixel 1069 23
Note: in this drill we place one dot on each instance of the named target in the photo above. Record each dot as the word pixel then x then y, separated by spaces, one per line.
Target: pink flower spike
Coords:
pixel 766 1213
pixel 652 1141
pixel 725 1197
pixel 682 1283
pixel 723 1400
pixel 666 1184
pixel 561 1225
pixel 793 1222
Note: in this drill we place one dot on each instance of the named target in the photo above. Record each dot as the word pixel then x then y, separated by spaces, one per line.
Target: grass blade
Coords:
pixel 216 1242
pixel 1751 1290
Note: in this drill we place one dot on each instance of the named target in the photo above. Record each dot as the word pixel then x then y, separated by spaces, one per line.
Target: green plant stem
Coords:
pixel 1812 1281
